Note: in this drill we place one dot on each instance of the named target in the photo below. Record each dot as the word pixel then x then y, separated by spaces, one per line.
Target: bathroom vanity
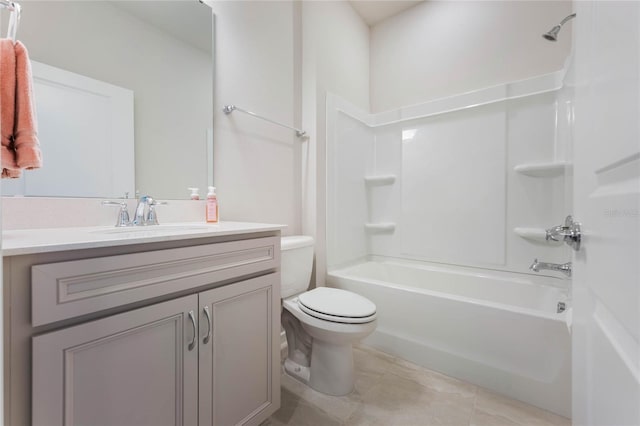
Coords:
pixel 169 326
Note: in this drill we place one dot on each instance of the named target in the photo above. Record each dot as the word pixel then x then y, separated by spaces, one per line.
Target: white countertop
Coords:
pixel 30 241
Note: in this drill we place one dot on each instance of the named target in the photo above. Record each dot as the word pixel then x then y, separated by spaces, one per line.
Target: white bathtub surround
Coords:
pixel 494 329
pixel 466 187
pixel 447 175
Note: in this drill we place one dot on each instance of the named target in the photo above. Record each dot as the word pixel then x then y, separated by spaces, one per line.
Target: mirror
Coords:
pixel 101 66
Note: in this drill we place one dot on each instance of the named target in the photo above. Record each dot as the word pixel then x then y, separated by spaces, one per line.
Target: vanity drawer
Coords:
pixel 69 289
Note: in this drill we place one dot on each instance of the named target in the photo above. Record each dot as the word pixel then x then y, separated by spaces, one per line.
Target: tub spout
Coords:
pixel 565 268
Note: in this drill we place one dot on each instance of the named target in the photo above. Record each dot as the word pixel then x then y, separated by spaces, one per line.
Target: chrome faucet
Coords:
pixel 565 268
pixel 570 233
pixel 145 214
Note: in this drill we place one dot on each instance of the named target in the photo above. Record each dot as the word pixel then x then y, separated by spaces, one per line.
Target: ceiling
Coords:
pixel 190 21
pixel 374 11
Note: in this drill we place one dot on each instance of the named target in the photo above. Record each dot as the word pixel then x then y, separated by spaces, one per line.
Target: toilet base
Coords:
pixel 297 371
pixel 331 371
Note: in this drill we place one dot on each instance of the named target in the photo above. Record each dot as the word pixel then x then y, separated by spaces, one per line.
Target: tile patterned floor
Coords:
pixel 393 392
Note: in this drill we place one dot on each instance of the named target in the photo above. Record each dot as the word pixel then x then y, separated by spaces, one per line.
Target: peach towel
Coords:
pixel 20 146
pixel 8 107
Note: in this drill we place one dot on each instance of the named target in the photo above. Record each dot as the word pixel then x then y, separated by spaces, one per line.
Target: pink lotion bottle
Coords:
pixel 212 205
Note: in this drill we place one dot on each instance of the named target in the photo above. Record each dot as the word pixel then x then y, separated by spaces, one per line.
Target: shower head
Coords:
pixel 552 35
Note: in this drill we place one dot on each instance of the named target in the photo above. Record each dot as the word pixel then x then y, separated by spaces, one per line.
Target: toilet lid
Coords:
pixel 337 305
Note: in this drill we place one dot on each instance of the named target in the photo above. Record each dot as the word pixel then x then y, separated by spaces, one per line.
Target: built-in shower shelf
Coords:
pixel 533 234
pixel 378 180
pixel 380 227
pixel 550 169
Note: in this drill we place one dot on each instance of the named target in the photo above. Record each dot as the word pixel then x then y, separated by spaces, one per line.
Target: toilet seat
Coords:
pixel 335 305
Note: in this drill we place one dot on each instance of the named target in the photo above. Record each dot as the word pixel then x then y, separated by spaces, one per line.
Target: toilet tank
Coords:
pixel 296 260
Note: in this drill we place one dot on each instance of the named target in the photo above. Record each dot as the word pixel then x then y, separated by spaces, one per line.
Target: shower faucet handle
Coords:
pixel 570 233
pixel 555 233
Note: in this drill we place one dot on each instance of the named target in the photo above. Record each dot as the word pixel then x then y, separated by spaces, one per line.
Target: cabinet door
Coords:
pixel 136 368
pixel 240 363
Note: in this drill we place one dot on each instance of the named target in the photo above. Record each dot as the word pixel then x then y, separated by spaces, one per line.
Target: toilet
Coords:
pixel 320 324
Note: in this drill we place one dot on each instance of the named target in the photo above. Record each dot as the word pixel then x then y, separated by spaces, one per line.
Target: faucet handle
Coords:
pixel 555 233
pixel 123 214
pixel 152 217
pixel 570 233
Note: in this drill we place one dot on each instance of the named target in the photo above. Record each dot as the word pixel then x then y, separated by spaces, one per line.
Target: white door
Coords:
pixel 606 143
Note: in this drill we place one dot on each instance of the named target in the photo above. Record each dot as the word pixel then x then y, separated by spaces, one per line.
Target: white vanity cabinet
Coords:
pixel 236 379
pixel 128 369
pixel 157 335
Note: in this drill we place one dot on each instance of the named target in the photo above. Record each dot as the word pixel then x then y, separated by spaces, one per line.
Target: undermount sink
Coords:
pixel 155 229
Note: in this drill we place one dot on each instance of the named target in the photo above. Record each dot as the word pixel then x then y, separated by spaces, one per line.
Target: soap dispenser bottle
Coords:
pixel 212 205
pixel 194 193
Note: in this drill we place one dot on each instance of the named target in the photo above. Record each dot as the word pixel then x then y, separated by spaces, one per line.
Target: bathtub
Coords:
pixel 498 330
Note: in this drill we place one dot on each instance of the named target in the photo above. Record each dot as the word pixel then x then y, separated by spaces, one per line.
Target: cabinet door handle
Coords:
pixel 195 331
pixel 208 315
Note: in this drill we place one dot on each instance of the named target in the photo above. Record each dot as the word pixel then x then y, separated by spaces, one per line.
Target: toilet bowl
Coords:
pixel 321 325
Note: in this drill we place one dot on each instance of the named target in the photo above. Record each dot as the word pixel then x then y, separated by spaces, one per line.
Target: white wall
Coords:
pixel 441 48
pixel 100 41
pixel 335 45
pixel 256 164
